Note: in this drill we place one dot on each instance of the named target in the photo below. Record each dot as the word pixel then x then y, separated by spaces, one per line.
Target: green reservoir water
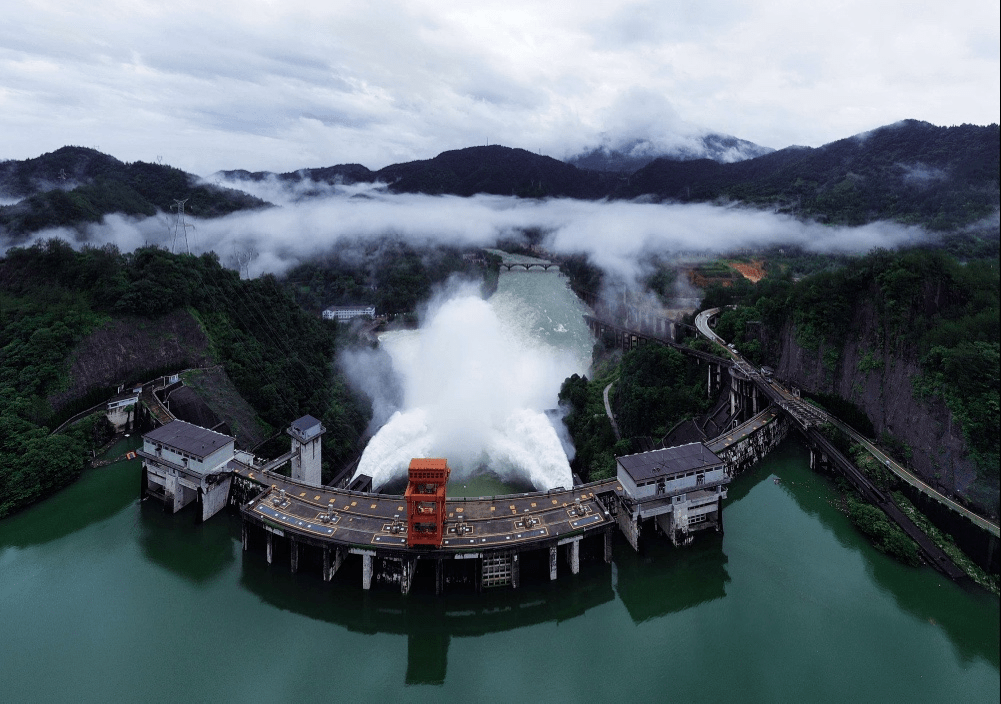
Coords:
pixel 105 599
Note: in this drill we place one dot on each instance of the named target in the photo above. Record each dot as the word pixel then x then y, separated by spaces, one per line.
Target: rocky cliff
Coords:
pixel 130 349
pixel 875 371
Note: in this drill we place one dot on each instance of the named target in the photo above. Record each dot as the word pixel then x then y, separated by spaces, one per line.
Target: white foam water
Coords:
pixel 477 379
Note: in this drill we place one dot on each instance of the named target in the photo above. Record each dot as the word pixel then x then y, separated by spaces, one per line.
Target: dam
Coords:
pixel 676 492
pixel 672 492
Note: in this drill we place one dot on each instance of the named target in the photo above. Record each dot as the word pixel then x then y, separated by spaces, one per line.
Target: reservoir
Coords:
pixel 106 599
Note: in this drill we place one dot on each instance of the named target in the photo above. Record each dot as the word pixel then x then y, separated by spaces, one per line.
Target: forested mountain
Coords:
pixel 911 338
pixel 638 153
pixel 911 172
pixel 341 173
pixel 53 298
pixel 73 186
pixel 496 170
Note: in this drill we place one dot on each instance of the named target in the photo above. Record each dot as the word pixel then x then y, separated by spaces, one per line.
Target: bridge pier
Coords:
pixel 367 569
pixel 574 557
pixel 630 528
pixel 439 576
pixel 244 535
pixel 271 540
pixel 552 563
pixel 407 568
pixel 293 554
pixel 744 397
pixel 330 567
pixel 819 462
pixel 608 547
pixel 715 379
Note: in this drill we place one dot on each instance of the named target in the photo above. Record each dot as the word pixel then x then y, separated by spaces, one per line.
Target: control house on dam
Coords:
pixel 677 491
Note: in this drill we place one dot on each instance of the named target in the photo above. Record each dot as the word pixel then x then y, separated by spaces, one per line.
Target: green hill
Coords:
pixel 53 299
pixel 73 186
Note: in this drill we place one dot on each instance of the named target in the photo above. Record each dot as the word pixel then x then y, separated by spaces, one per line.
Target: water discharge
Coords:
pixel 477 379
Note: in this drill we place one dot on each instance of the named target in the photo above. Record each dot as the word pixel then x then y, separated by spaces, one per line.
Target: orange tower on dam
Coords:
pixel 425 498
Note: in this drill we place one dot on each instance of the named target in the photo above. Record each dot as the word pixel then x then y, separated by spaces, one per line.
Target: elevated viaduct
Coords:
pixel 808 418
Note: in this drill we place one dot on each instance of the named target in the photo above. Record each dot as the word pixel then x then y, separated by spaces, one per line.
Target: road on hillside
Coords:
pixel 818 414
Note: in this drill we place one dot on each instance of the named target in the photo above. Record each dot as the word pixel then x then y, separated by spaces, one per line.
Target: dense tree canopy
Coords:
pixel 278 356
pixel 944 310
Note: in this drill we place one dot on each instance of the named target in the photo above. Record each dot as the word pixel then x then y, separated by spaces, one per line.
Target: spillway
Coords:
pixel 477 378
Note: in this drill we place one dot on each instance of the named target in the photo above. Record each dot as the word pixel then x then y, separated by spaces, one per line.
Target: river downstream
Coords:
pixel 106 599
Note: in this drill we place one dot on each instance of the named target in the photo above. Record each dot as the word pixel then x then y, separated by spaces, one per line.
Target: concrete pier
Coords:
pixel 407 567
pixel 367 569
pixel 552 563
pixel 333 558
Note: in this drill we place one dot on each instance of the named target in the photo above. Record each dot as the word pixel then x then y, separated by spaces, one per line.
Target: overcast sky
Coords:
pixel 289 84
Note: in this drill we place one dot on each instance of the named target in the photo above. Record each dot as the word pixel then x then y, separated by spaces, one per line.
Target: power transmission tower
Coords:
pixel 244 258
pixel 179 223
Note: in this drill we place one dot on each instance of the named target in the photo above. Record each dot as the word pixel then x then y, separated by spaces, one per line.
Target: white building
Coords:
pixel 305 434
pixel 121 408
pixel 183 462
pixel 682 488
pixel 348 312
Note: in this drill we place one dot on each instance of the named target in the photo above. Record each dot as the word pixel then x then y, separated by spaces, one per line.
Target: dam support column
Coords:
pixel 244 536
pixel 552 563
pixel 271 546
pixel 293 555
pixel 407 567
pixel 367 569
pixel 332 563
pixel 215 497
pixel 515 571
pixel 574 557
pixel 439 576
pixel 630 528
pixel 608 547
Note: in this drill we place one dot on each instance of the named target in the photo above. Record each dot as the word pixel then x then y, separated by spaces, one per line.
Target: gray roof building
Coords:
pixel 194 440
pixel 644 466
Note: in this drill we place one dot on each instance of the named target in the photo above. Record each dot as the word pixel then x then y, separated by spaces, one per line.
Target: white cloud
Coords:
pixel 264 85
pixel 618 235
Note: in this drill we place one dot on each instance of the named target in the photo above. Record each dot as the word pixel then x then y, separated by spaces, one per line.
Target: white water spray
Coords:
pixel 477 379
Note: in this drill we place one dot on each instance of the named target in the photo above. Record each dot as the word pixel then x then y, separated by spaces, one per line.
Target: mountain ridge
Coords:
pixel 910 172
pixel 637 153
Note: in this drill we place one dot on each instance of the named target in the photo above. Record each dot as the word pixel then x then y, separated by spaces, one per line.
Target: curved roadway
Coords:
pixel 702 324
pixel 608 412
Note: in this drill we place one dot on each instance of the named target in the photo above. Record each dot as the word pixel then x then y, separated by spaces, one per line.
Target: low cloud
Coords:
pixel 921 174
pixel 617 235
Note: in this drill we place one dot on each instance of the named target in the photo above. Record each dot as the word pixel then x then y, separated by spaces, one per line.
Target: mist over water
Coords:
pixel 477 379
